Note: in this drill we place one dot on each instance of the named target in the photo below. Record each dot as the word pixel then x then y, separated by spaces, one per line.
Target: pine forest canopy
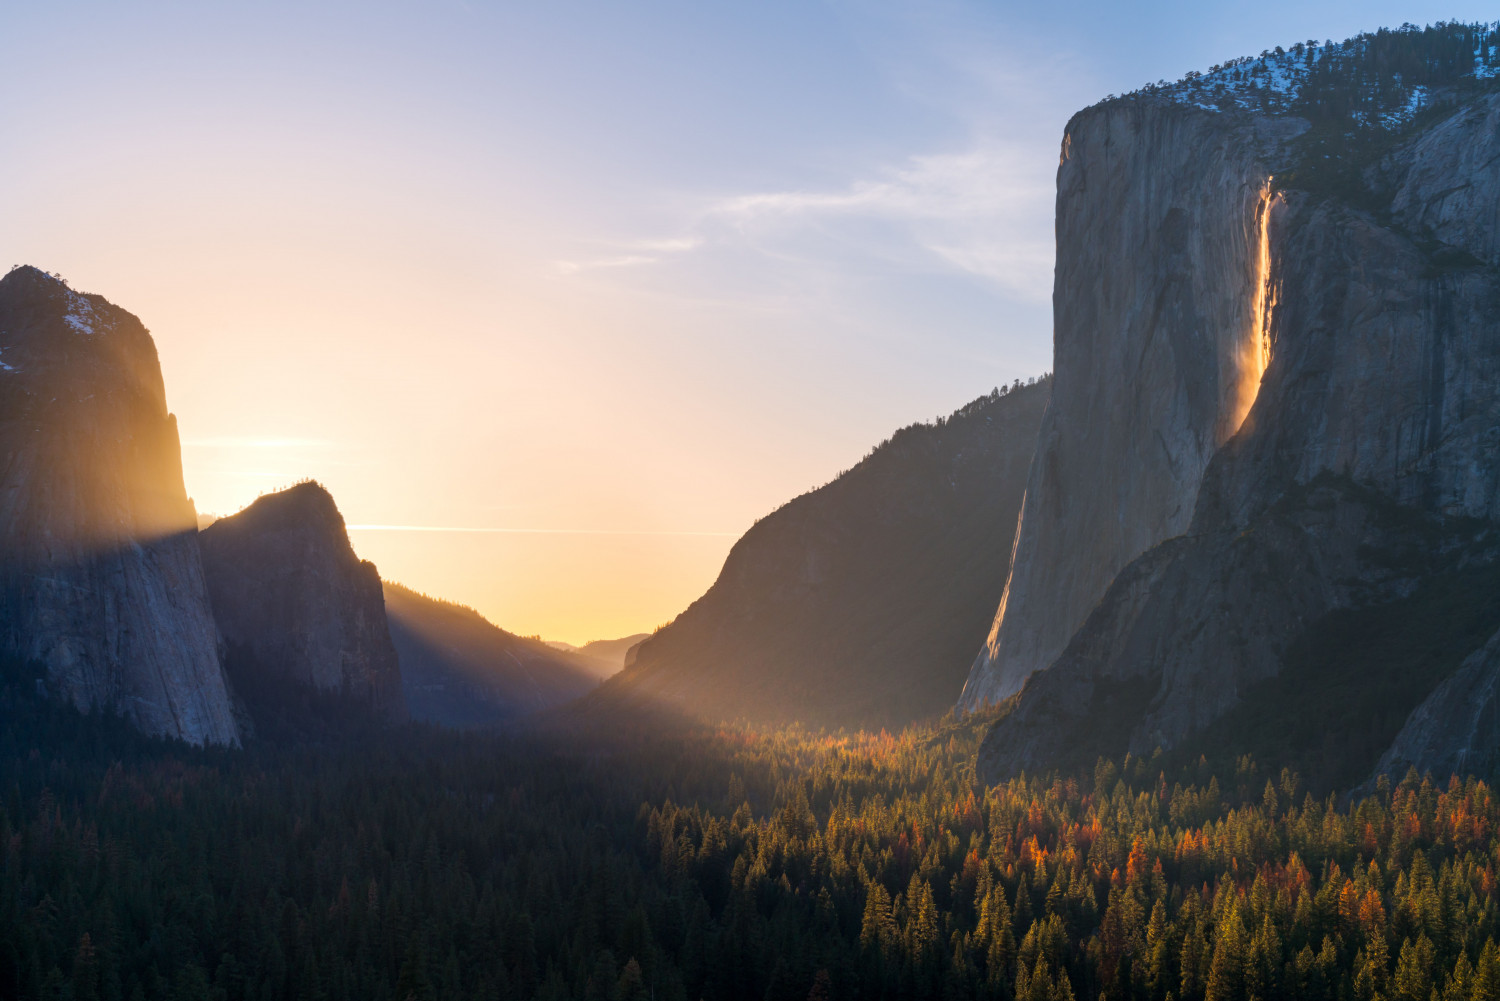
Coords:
pixel 717 864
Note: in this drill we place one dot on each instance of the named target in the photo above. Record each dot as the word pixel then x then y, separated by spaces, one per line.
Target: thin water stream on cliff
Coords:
pixel 1254 353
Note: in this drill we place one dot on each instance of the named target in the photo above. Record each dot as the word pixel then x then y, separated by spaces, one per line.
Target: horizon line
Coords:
pixel 532 531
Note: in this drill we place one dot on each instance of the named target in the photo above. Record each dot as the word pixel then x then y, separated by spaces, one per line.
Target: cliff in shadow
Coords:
pixel 859 604
pixel 303 618
pixel 101 585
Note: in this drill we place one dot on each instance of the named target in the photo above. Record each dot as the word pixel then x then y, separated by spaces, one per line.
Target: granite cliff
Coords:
pixel 858 604
pixel 1158 346
pixel 300 613
pixel 100 580
pixel 1261 513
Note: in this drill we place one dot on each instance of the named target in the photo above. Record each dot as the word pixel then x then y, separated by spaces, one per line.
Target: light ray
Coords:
pixel 533 531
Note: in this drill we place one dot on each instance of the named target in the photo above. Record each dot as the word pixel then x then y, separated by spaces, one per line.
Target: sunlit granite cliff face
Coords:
pixel 100 579
pixel 297 608
pixel 1288 564
pixel 1157 349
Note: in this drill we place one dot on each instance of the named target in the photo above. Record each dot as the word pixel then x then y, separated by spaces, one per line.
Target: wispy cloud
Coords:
pixel 672 245
pixel 633 254
pixel 629 260
pixel 982 212
pixel 985 212
pixel 979 204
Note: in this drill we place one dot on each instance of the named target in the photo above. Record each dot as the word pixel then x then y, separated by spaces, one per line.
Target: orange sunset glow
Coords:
pixel 418 291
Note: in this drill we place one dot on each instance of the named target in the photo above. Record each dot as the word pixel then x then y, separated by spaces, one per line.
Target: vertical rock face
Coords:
pixel 1160 254
pixel 295 604
pixel 100 578
pixel 1339 551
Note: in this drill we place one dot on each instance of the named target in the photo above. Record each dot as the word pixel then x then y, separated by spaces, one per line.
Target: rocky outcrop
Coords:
pixel 100 579
pixel 858 604
pixel 297 607
pixel 460 670
pixel 1362 477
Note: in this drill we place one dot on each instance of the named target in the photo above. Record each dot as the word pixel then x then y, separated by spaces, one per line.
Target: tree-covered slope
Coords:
pixel 722 865
pixel 458 669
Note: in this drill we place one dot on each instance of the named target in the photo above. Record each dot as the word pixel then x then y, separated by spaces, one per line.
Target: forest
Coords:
pixel 685 862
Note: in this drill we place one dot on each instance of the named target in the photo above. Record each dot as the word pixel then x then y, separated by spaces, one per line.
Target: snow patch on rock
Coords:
pixel 1274 81
pixel 81 316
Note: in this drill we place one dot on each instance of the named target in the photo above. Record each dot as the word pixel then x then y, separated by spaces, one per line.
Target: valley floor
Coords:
pixel 715 864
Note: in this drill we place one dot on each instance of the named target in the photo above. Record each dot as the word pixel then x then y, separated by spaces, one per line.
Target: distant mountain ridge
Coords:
pixel 608 655
pixel 458 669
pixel 857 604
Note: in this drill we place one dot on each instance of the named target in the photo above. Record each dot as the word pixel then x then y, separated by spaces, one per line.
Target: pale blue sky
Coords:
pixel 646 267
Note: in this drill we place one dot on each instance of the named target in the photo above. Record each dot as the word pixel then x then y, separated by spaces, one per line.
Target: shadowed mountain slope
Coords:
pixel 299 611
pixel 859 604
pixel 460 670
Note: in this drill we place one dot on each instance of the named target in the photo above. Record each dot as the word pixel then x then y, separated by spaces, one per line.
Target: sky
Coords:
pixel 557 299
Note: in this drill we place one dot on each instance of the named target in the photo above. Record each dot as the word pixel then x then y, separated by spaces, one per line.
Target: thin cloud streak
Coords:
pixel 533 531
pixel 629 260
pixel 639 252
pixel 983 212
pixel 674 245
pixel 234 441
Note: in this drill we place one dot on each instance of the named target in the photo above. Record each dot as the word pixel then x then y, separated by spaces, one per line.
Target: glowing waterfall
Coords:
pixel 1254 351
